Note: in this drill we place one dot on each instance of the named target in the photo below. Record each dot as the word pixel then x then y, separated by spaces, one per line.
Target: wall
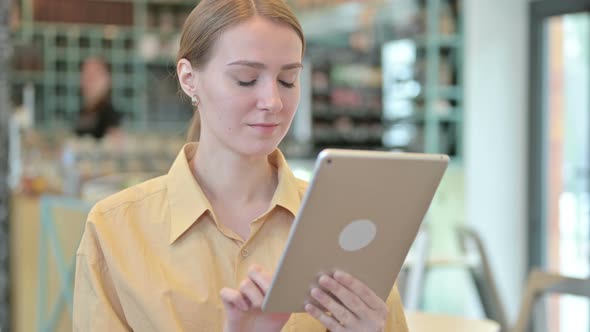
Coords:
pixel 495 136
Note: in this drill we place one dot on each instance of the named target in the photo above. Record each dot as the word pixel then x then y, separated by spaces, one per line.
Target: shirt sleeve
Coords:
pixel 96 304
pixel 396 322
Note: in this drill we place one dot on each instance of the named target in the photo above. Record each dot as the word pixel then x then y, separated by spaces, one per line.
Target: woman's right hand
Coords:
pixel 242 306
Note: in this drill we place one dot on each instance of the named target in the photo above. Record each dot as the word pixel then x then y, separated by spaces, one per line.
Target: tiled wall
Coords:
pixel 4 194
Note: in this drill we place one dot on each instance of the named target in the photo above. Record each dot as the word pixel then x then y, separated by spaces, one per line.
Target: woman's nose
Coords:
pixel 270 98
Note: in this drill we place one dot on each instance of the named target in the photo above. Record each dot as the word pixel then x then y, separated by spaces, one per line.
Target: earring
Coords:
pixel 194 101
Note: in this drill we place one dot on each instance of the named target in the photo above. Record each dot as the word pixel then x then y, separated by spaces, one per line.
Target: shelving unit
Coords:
pixel 346 97
pixel 432 121
pixel 49 55
pixel 56 76
pixel 441 124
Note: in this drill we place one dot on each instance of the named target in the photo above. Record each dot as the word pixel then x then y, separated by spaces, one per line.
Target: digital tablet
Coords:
pixel 360 214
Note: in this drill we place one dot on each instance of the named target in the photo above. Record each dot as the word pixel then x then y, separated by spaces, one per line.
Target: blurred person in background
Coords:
pixel 98 117
pixel 195 249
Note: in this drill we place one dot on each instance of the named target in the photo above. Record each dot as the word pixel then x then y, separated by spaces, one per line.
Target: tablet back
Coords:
pixel 360 214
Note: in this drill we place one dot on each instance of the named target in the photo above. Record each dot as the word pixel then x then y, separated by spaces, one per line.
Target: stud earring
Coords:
pixel 194 101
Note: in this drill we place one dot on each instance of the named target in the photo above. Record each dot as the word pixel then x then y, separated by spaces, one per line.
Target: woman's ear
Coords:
pixel 186 77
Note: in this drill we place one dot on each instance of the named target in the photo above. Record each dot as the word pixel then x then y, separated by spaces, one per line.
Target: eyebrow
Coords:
pixel 259 65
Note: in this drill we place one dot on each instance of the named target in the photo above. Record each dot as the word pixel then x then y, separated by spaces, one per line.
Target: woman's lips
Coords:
pixel 264 124
pixel 264 127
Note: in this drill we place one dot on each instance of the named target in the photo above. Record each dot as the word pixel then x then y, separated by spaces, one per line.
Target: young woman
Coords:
pixel 194 250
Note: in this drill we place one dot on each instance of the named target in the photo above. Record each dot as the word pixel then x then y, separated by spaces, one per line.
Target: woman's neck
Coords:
pixel 226 176
pixel 91 103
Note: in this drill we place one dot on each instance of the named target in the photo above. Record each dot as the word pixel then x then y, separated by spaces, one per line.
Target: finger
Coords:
pixel 339 312
pixel 234 298
pixel 252 293
pixel 362 291
pixel 348 299
pixel 329 322
pixel 261 278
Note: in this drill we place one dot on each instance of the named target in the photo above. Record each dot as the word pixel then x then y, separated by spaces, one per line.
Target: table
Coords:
pixel 426 322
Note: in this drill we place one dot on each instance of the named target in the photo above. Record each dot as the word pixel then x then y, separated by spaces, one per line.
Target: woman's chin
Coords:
pixel 260 147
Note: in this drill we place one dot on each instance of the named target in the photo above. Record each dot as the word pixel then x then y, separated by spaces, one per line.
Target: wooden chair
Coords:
pixel 540 283
pixel 482 276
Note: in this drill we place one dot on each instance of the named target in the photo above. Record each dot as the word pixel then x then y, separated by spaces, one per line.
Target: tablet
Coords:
pixel 360 214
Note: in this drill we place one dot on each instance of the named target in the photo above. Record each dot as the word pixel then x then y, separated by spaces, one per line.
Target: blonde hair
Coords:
pixel 210 18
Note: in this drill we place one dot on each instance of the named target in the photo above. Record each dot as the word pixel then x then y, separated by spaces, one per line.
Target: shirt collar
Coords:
pixel 287 193
pixel 188 202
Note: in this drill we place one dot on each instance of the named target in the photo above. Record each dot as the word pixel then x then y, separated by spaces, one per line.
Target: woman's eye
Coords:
pixel 248 83
pixel 252 82
pixel 286 84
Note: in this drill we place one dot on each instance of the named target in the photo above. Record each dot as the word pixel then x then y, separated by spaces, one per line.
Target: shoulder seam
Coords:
pixel 127 202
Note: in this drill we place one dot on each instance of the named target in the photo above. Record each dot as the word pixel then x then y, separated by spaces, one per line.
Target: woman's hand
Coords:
pixel 242 306
pixel 357 307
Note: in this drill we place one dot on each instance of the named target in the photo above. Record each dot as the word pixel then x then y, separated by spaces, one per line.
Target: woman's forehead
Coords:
pixel 259 40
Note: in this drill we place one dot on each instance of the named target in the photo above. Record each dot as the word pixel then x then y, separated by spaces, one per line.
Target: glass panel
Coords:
pixel 568 154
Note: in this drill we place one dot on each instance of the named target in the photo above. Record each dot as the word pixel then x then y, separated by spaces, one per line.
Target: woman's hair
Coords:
pixel 210 18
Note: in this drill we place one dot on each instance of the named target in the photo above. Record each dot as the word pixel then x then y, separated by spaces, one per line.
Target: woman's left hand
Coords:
pixel 360 309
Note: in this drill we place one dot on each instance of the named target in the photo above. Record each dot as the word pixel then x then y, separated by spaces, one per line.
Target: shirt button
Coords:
pixel 245 253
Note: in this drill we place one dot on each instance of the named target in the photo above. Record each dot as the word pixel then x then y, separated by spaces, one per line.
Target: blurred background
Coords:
pixel 89 104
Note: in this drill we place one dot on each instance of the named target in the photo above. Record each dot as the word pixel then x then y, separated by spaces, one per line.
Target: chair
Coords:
pixel 482 276
pixel 62 224
pixel 425 322
pixel 473 259
pixel 540 283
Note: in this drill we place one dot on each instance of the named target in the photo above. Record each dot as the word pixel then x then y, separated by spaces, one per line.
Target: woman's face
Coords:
pixel 95 80
pixel 249 90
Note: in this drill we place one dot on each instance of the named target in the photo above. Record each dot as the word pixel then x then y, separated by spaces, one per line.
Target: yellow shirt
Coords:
pixel 153 257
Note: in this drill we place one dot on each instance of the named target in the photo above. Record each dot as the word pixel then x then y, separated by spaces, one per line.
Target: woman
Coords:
pixel 194 250
pixel 98 118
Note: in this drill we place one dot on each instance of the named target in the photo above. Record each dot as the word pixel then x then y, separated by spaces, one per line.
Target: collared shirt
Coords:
pixel 153 257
